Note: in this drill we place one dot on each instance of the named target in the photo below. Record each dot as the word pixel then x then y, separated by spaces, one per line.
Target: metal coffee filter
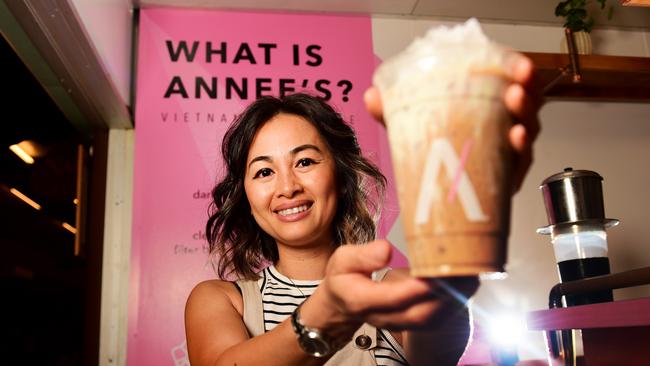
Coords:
pixel 574 198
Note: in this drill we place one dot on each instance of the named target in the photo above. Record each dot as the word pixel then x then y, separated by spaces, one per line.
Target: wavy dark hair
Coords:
pixel 232 232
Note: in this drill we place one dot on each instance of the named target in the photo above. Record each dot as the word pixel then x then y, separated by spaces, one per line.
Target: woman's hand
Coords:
pixel 348 297
pixel 523 98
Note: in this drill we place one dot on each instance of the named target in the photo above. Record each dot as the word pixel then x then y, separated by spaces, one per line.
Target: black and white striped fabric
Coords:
pixel 280 297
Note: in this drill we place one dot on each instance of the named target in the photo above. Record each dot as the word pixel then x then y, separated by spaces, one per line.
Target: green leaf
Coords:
pixel 561 8
pixel 574 18
pixel 577 4
pixel 581 13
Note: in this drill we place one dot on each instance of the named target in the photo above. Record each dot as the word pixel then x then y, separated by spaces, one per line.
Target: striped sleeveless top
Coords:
pixel 281 295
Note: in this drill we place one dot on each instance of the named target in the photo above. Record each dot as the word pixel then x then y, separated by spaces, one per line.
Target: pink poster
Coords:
pixel 196 70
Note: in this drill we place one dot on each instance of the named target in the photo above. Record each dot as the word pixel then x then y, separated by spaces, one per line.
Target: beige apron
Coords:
pixel 350 355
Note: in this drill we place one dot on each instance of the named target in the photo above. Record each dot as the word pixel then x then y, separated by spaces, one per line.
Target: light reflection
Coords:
pixel 24 198
pixel 22 154
pixel 69 227
pixel 507 329
pixel 570 200
pixel 514 328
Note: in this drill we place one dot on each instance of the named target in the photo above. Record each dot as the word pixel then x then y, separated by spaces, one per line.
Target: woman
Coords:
pixel 294 193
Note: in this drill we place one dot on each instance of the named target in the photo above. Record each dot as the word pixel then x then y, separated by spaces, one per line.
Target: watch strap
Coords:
pixel 311 340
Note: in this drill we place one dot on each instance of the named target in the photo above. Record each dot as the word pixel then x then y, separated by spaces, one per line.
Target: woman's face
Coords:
pixel 290 182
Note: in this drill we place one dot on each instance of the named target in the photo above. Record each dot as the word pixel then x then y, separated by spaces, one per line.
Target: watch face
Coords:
pixel 314 344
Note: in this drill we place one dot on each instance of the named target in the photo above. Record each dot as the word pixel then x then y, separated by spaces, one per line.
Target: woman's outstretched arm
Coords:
pixel 346 298
pixel 216 334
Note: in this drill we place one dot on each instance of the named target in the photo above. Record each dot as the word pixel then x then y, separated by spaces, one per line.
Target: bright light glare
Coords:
pixel 507 329
pixel 25 199
pixel 69 227
pixel 21 154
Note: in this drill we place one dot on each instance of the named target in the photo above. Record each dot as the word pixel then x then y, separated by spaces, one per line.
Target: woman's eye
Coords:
pixel 264 172
pixel 305 162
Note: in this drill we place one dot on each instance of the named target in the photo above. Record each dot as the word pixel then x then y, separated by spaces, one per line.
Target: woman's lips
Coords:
pixel 294 212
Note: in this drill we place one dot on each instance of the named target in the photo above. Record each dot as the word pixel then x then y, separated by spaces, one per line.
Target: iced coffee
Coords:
pixel 448 132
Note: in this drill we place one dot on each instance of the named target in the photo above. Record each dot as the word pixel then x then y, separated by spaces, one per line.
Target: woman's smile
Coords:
pixel 290 182
pixel 293 211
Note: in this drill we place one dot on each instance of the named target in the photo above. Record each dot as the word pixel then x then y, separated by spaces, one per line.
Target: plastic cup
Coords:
pixel 448 131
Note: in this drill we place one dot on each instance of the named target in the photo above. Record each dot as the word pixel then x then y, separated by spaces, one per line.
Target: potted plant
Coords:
pixel 578 20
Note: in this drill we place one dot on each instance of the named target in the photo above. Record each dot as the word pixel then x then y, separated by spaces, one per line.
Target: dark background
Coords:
pixel 43 284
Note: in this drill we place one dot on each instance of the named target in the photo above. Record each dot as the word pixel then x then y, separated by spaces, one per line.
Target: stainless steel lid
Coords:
pixel 574 197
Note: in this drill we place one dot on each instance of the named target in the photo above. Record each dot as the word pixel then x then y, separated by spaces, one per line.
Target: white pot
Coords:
pixel 582 41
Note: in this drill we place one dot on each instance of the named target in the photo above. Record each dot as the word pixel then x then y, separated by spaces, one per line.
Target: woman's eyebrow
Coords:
pixel 260 158
pixel 304 147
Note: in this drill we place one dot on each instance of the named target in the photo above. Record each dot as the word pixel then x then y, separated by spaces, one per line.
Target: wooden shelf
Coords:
pixel 604 78
pixel 626 313
pixel 613 333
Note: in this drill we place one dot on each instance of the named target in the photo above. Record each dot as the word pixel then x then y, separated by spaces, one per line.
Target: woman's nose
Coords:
pixel 287 184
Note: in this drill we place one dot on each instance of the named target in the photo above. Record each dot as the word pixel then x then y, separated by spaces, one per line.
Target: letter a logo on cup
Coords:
pixel 442 152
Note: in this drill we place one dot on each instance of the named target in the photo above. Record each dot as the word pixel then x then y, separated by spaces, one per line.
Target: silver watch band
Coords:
pixel 311 340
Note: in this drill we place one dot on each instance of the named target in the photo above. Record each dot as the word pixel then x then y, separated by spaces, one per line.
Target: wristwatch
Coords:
pixel 311 340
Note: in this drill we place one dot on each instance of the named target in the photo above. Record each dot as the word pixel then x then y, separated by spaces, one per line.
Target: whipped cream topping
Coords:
pixel 440 63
